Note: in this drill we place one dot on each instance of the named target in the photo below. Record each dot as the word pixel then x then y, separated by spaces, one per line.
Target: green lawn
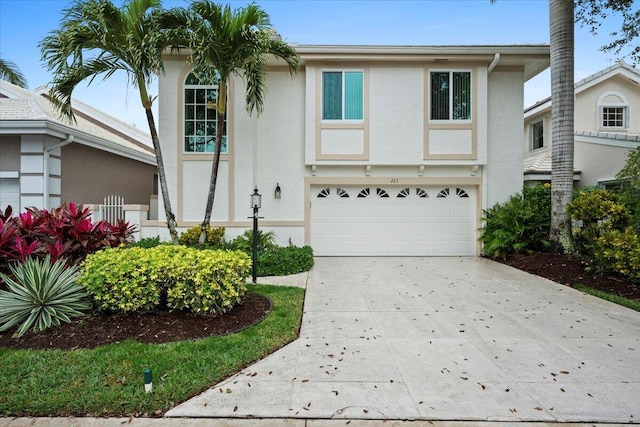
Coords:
pixel 629 303
pixel 109 380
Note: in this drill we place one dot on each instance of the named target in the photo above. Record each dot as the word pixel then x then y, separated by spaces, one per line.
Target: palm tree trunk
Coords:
pixel 561 27
pixel 214 177
pixel 171 219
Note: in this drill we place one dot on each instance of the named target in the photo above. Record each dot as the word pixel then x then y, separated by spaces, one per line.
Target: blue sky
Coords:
pixel 23 23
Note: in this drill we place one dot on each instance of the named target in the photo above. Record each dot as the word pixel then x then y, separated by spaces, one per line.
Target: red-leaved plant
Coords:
pixel 64 232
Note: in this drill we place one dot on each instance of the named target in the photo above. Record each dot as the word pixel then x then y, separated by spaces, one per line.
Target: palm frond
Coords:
pixel 11 73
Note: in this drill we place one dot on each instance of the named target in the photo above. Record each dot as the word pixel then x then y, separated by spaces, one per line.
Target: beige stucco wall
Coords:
pixel 505 157
pixel 588 158
pixel 88 175
pixel 9 153
pixel 587 113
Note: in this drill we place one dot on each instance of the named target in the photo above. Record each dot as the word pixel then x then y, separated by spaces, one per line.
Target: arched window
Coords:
pixel 613 111
pixel 200 115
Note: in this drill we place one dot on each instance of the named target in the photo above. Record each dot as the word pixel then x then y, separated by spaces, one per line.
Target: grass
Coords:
pixel 109 380
pixel 629 303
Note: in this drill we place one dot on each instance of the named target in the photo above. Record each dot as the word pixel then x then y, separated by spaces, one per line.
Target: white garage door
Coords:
pixel 10 194
pixel 388 221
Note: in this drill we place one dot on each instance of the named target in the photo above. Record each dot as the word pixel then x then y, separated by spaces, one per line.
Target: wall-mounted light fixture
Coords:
pixel 277 193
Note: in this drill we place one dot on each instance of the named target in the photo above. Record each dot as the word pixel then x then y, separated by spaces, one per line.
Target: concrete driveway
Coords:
pixel 441 339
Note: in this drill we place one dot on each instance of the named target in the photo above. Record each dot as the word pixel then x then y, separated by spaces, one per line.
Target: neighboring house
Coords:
pixel 46 160
pixel 377 150
pixel 607 126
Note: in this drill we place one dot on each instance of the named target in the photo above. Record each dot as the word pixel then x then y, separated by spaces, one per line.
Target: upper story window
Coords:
pixel 614 117
pixel 613 111
pixel 342 95
pixel 536 133
pixel 450 95
pixel 200 115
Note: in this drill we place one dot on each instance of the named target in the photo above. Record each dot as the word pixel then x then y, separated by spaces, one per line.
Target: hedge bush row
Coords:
pixel 137 279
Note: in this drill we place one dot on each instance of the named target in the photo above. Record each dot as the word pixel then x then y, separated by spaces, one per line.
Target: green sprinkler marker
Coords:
pixel 148 382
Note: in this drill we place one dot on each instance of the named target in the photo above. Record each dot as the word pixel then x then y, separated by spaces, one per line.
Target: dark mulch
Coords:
pixel 154 327
pixel 566 270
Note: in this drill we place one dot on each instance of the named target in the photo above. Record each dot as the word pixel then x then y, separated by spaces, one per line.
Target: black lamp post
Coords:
pixel 256 203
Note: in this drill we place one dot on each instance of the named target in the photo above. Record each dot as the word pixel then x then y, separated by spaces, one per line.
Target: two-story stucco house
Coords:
pixel 375 150
pixel 607 126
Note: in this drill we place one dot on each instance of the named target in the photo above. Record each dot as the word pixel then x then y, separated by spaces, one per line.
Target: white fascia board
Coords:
pixel 45 127
pixel 543 107
pixel 613 142
pixel 588 83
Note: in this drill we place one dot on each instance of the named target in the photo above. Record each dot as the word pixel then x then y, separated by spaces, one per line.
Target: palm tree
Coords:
pixel 224 43
pixel 561 29
pixel 11 73
pixel 96 38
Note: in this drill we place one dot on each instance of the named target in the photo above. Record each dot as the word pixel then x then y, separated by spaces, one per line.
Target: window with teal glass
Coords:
pixel 342 95
pixel 450 95
pixel 200 115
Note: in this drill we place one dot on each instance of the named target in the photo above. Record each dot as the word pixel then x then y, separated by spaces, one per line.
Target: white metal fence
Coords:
pixel 111 209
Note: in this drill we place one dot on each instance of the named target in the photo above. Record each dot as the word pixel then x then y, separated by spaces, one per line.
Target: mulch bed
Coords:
pixel 566 270
pixel 154 327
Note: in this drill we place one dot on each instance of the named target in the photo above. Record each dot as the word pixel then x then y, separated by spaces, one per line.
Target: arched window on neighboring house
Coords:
pixel 613 112
pixel 200 115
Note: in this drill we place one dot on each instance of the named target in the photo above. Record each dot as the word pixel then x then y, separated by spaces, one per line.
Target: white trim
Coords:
pixel 610 141
pixel 9 174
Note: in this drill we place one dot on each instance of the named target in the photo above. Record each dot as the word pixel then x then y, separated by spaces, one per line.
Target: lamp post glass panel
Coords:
pixel 256 203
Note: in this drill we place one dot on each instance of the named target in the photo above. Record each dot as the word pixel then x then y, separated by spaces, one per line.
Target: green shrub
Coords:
pixel 594 212
pixel 215 285
pixel 286 260
pixel 191 237
pixel 147 242
pixel 122 280
pixel 519 224
pixel 619 252
pixel 244 242
pixel 41 294
pixel 137 279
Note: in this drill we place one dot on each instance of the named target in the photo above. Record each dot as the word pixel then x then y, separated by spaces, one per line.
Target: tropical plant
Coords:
pixel 224 43
pixel 266 241
pixel 64 232
pixel 40 294
pixel 11 73
pixel 517 225
pixel 593 213
pixel 630 193
pixel 97 38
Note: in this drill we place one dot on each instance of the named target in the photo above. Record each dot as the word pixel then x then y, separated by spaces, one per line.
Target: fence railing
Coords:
pixel 112 208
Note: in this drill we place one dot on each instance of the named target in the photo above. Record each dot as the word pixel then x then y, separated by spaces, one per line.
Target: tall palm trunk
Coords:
pixel 561 27
pixel 164 189
pixel 214 177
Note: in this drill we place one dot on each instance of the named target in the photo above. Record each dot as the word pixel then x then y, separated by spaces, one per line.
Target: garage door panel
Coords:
pixel 438 223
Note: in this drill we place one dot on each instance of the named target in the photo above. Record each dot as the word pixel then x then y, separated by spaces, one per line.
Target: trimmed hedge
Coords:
pixel 191 237
pixel 137 279
pixel 285 260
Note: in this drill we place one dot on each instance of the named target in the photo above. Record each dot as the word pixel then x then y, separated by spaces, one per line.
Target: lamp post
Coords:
pixel 256 203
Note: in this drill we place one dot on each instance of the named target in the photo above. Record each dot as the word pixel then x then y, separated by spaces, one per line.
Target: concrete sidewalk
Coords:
pixel 179 422
pixel 441 339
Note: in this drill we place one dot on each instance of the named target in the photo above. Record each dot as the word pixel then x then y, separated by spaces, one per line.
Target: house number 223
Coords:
pixel 394 180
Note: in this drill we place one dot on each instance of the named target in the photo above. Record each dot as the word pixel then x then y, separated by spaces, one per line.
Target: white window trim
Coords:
pixel 341 70
pixel 451 71
pixel 543 120
pixel 600 111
